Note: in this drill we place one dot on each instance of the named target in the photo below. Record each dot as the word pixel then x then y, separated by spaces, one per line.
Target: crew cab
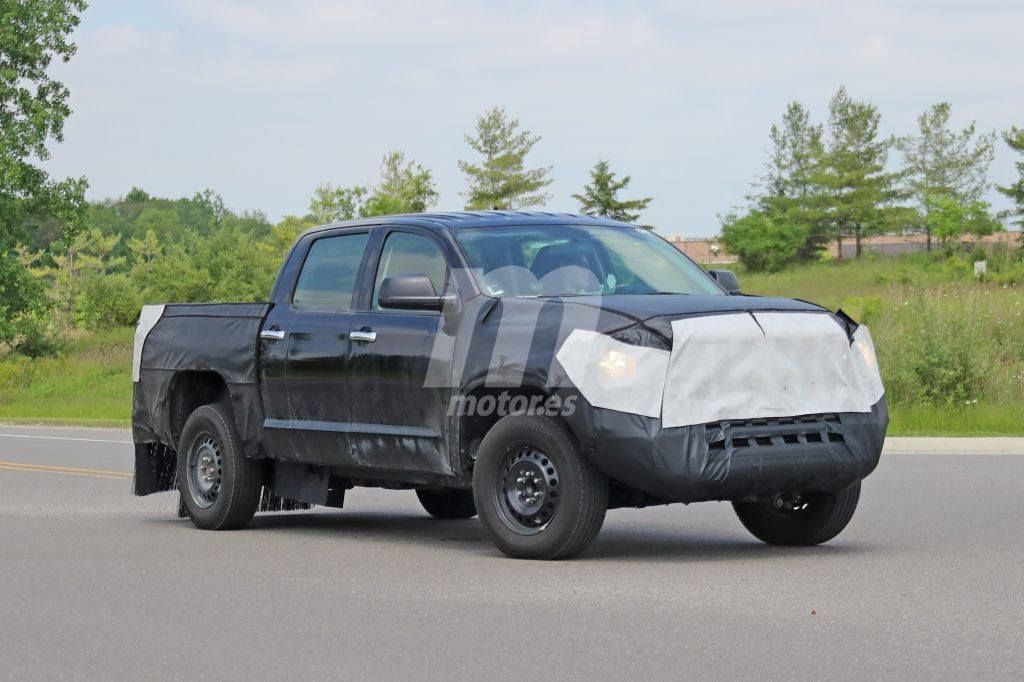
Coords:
pixel 535 369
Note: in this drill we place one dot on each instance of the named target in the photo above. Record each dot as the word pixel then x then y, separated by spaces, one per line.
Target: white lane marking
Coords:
pixel 83 440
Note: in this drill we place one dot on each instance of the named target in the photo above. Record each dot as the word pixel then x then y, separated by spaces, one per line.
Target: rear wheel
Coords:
pixel 449 503
pixel 537 497
pixel 799 520
pixel 220 487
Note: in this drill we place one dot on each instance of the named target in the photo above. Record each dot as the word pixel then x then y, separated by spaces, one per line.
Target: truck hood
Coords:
pixel 672 306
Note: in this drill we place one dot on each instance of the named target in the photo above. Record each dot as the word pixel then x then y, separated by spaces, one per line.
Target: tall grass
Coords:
pixel 89 383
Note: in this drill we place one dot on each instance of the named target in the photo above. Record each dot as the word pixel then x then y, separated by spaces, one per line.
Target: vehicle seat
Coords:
pixel 554 256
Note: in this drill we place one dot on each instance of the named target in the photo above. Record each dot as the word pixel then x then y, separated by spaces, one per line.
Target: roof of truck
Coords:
pixel 461 219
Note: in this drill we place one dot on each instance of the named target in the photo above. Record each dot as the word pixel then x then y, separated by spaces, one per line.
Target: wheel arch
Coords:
pixel 189 390
pixel 474 421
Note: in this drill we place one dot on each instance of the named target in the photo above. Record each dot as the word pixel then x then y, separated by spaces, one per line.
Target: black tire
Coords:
pixel 567 497
pixel 236 480
pixel 450 503
pixel 823 518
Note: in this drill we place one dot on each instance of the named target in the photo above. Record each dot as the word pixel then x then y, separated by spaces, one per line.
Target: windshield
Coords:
pixel 579 260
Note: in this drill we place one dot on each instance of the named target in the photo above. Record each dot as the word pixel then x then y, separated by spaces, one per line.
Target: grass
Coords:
pixel 982 419
pixel 89 384
pixel 951 349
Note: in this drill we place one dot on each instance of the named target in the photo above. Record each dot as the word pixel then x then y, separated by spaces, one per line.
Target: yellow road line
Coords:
pixel 72 471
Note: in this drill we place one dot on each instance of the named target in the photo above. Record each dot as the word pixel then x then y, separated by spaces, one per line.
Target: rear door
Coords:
pixel 305 349
pixel 400 417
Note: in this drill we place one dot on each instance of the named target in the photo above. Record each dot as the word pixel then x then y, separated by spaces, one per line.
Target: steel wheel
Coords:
pixel 537 496
pixel 205 470
pixel 527 490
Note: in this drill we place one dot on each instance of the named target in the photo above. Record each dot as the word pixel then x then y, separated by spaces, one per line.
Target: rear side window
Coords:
pixel 410 254
pixel 328 277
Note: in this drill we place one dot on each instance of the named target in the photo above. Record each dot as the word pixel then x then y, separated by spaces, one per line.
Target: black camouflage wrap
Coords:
pixel 721 461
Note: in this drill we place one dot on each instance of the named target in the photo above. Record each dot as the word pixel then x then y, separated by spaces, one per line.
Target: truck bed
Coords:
pixel 178 342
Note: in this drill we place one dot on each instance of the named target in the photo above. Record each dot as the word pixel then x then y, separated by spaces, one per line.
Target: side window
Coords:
pixel 328 277
pixel 410 254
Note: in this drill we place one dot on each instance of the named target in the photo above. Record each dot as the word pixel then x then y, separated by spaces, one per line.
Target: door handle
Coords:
pixel 363 335
pixel 273 334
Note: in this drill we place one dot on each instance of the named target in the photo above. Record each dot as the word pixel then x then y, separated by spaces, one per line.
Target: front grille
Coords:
pixel 813 429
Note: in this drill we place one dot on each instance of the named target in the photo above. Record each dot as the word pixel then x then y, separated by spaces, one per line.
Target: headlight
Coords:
pixel 867 351
pixel 867 360
pixel 613 374
pixel 617 365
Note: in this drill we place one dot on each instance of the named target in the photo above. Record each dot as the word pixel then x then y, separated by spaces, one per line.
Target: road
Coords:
pixel 928 581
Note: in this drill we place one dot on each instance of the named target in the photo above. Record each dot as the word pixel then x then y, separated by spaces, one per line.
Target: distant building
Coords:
pixel 896 244
pixel 706 251
pixel 711 251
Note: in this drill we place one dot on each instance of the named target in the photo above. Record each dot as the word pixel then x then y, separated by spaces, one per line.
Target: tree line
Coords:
pixel 835 182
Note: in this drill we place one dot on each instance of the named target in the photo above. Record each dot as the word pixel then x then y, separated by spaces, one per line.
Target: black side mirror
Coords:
pixel 410 292
pixel 727 280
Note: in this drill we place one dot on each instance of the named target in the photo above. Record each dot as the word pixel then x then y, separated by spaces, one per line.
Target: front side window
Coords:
pixel 410 254
pixel 579 260
pixel 328 277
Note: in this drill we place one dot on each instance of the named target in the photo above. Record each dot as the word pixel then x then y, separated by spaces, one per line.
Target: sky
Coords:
pixel 263 101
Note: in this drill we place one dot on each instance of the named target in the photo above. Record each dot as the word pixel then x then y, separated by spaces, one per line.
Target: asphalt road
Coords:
pixel 928 581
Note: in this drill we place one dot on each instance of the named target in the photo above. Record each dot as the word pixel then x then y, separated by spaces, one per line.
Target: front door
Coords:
pixel 305 351
pixel 399 412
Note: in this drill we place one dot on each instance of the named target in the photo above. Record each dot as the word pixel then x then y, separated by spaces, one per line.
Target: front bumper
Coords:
pixel 733 459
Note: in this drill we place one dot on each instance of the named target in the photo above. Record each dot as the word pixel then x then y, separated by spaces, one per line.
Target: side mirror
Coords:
pixel 410 292
pixel 727 280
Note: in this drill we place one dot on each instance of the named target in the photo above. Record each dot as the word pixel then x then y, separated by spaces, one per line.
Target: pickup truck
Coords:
pixel 534 368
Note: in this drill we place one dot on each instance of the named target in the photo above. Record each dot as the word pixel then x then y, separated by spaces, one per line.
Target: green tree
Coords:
pixel 405 187
pixel 855 196
pixel 762 241
pixel 601 196
pixel 1014 138
pixel 282 237
pixel 145 249
pixel 174 278
pixel 108 301
pixel 33 108
pixel 136 195
pixel 501 179
pixel 332 204
pixel 89 253
pixel 943 161
pixel 164 222
pixel 787 190
pixel 948 219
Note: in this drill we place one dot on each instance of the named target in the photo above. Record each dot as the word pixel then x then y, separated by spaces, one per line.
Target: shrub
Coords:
pixel 108 301
pixel 957 269
pixel 762 242
pixel 36 338
pixel 946 370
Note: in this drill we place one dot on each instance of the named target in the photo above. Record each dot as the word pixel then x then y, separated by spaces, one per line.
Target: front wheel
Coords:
pixel 799 520
pixel 537 496
pixel 220 487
